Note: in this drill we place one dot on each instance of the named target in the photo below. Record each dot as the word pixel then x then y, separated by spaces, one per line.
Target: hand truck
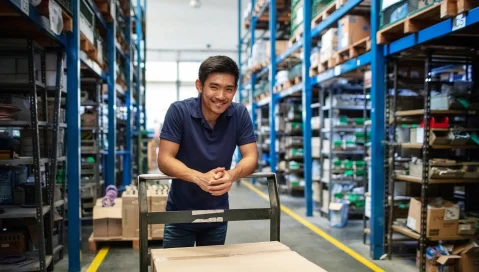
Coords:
pixel 175 217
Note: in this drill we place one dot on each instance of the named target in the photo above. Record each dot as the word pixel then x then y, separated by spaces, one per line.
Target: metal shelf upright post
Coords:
pixel 73 140
pixel 127 159
pixel 111 136
pixel 307 111
pixel 377 236
pixel 272 83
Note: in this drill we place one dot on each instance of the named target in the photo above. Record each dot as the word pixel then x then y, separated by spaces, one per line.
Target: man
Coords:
pixel 198 139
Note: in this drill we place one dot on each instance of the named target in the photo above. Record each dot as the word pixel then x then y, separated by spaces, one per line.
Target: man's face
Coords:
pixel 218 91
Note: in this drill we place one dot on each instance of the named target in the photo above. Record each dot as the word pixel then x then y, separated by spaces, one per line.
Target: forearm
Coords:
pixel 244 168
pixel 175 168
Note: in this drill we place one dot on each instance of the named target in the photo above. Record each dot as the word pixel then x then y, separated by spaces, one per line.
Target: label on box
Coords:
pixel 56 19
pixel 411 223
pixel 465 227
pixel 451 214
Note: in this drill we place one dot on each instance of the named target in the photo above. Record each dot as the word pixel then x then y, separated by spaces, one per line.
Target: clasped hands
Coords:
pixel 216 182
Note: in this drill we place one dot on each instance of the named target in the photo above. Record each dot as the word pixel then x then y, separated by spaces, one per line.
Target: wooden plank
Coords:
pixel 465 5
pixel 433 112
pixel 436 181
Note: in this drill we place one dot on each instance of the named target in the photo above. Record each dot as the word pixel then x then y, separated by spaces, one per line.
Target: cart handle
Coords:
pixel 204 216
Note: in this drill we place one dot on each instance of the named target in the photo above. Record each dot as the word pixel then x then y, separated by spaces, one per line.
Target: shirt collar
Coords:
pixel 196 111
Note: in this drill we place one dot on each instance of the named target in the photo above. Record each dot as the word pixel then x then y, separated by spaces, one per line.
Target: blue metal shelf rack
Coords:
pixel 376 58
pixel 75 61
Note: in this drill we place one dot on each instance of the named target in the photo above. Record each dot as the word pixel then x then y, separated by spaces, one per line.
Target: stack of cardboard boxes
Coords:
pixel 122 219
pixel 443 223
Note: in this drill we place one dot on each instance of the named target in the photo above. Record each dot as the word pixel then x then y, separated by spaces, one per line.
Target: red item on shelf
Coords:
pixel 437 122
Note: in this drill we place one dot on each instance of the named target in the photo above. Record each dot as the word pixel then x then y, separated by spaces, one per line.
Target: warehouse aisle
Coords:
pixel 299 238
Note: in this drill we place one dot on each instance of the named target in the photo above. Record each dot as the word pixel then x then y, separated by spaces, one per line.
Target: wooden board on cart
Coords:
pixel 135 243
pixel 264 256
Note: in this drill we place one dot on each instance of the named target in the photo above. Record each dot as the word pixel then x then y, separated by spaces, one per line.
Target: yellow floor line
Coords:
pixel 100 256
pixel 319 232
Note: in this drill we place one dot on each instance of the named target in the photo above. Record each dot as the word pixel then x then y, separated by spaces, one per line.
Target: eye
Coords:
pixel 214 87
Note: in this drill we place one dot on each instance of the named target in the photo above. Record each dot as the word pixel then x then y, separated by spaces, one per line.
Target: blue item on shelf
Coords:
pixel 6 186
pixel 338 214
pixel 399 13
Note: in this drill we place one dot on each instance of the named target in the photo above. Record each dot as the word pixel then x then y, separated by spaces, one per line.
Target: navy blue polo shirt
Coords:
pixel 203 148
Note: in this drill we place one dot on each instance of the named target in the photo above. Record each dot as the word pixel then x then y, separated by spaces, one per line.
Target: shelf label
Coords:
pixel 458 22
pixel 358 62
pixel 337 70
pixel 25 6
pixel 56 19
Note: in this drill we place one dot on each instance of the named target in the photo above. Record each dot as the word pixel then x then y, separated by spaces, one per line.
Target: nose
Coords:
pixel 221 96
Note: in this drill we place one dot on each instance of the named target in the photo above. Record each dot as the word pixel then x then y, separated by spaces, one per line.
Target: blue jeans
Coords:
pixel 186 236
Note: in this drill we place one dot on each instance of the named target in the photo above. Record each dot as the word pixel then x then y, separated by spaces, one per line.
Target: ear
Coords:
pixel 199 87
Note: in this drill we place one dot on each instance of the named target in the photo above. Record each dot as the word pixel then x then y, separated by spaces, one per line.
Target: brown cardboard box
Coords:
pixel 265 257
pixel 441 221
pixel 131 215
pixel 440 263
pixel 352 29
pixel 158 204
pixel 469 253
pixel 107 220
pixel 281 46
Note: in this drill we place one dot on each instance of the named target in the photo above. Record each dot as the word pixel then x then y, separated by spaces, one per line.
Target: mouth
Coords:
pixel 219 104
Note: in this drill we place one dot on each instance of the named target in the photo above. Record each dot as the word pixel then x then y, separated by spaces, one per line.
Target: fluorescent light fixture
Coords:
pixel 195 3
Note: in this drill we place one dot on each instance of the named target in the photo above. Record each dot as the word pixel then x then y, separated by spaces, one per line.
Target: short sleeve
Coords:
pixel 172 129
pixel 246 133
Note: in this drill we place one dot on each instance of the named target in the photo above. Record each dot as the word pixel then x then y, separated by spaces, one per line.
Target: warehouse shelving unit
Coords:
pixel 83 59
pixel 37 154
pixel 356 116
pixel 429 150
pixel 460 19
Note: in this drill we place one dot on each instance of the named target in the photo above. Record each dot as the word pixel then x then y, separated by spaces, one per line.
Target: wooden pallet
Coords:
pixel 297 35
pixel 104 8
pixel 135 243
pixel 283 86
pixel 327 64
pixel 314 71
pixel 418 21
pixel 327 11
pixel 91 51
pixel 358 48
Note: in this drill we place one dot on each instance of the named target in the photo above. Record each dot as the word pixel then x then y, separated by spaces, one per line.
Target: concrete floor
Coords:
pixel 121 257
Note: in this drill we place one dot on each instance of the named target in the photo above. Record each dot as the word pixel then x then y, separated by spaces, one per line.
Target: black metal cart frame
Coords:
pixel 175 217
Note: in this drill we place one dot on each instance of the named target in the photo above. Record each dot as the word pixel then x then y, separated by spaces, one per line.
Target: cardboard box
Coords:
pixel 469 257
pixel 281 46
pixel 440 263
pixel 266 257
pixel 329 45
pixel 442 221
pixel 107 220
pixel 352 29
pixel 158 204
pixel 131 214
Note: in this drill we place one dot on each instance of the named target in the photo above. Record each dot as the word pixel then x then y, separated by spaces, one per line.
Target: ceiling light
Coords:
pixel 195 3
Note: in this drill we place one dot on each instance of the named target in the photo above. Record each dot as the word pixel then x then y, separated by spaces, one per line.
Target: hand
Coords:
pixel 221 185
pixel 204 179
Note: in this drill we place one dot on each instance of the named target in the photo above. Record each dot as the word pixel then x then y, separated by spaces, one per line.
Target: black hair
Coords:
pixel 218 64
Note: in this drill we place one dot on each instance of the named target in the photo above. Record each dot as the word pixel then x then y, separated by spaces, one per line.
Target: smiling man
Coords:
pixel 198 139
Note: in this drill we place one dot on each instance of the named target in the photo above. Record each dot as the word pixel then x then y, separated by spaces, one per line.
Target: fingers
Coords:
pixel 219 175
pixel 219 169
pixel 218 181
pixel 219 187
